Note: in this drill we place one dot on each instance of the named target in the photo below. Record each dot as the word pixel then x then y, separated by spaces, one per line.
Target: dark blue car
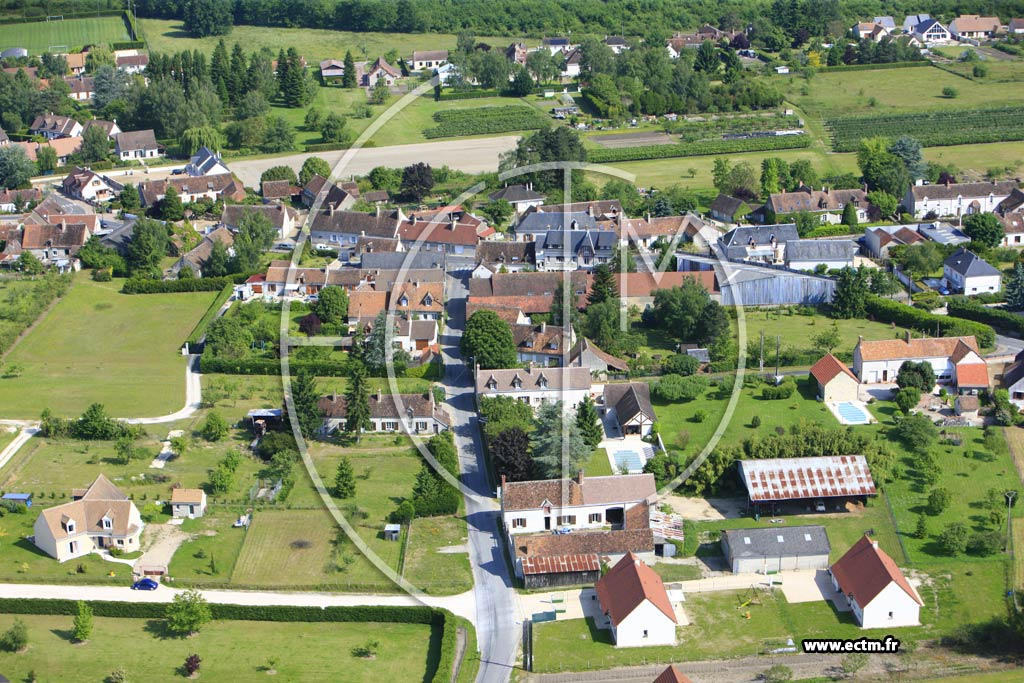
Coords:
pixel 145 585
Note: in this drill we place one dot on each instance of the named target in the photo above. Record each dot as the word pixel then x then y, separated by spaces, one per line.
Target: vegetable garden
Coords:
pixel 701 148
pixel 485 121
pixel 932 129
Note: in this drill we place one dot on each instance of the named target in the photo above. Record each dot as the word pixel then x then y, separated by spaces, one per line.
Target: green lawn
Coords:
pixel 209 557
pixel 286 548
pixel 677 572
pixel 313 44
pixel 230 651
pixel 598 464
pixel 39 36
pixel 98 345
pixel 439 573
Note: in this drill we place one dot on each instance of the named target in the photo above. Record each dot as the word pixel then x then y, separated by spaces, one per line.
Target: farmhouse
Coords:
pixel 536 386
pixel 836 383
pixel 629 406
pixel 132 63
pixel 138 144
pixel 956 199
pixel 762 550
pixel 188 503
pixel 758 243
pixel 780 480
pixel 368 75
pixel 559 250
pixel 341 230
pixel 812 254
pixel 192 188
pixel 965 272
pixel 429 59
pixel 54 243
pixel 409 413
pixel 828 203
pixel 636 603
pixel 196 258
pixel 97 518
pixel 956 360
pixel 89 186
pixel 878 593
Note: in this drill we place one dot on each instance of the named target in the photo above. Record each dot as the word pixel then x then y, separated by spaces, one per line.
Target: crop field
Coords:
pixel 700 148
pixel 39 36
pixel 638 139
pixel 931 128
pixel 98 345
pixel 485 121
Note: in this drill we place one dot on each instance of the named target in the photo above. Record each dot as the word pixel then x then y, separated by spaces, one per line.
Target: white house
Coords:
pixel 835 381
pixel 637 605
pixel 930 32
pixel 955 360
pixel 411 413
pixel 89 186
pixel 1013 380
pixel 629 405
pixel 188 503
pixel 967 26
pixel 521 197
pixel 965 272
pixel 282 217
pixel 536 386
pixel 429 59
pixel 206 162
pixel 956 199
pixel 577 504
pixel 98 517
pixel 137 144
pixel 560 250
pixel 51 127
pixel 878 593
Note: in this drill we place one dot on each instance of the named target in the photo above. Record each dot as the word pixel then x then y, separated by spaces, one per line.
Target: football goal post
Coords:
pixel 55 17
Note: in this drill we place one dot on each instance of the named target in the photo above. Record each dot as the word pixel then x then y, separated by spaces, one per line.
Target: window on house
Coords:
pixel 567 519
pixel 518 522
pixel 390 426
pixel 595 518
pixel 645 633
pixel 890 615
pixel 421 426
pixel 106 523
pixel 120 541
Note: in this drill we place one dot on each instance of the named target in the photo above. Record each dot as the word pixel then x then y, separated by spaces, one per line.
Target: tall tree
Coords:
pixel 15 166
pixel 687 313
pixel 850 298
pixel 344 479
pixel 193 139
pixel 603 286
pixel 220 70
pixel 417 181
pixel 488 340
pixel 707 60
pixel 375 353
pixel 909 152
pixel 313 166
pixel 510 450
pixel 984 229
pixel 82 628
pixel 171 208
pixel 306 399
pixel 236 75
pixel 560 315
pixel 46 159
pixel 148 245
pixel 208 17
pixel 589 423
pixel 1015 288
pixel 357 401
pixel 557 444
pixel 348 79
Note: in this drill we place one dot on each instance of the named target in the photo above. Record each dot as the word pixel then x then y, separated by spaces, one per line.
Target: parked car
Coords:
pixel 145 585
pixel 819 506
pixel 178 171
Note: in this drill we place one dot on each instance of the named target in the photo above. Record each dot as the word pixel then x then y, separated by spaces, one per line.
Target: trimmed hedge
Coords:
pixel 889 311
pixel 962 307
pixel 873 67
pixel 211 312
pixel 442 96
pixel 838 230
pixel 268 366
pixel 696 149
pixel 203 284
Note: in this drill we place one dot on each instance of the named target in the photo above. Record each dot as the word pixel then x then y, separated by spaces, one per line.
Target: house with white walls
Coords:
pixel 878 593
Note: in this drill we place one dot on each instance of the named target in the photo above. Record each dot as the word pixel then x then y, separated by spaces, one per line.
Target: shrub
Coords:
pixel 755 421
pixel 780 392
pixel 953 539
pixel 889 311
pixel 907 399
pixel 15 638
pixel 938 500
pixel 985 543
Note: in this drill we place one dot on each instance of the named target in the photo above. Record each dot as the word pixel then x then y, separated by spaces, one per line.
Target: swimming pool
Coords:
pixel 631 458
pixel 852 414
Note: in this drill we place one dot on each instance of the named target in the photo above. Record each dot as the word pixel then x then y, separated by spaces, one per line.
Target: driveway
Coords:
pixel 706 509
pixel 162 541
pixel 473 156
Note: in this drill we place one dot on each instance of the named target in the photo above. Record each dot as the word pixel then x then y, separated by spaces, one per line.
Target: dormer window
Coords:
pixel 107 524
pixel 404 301
pixel 428 300
pixel 543 383
pixel 492 385
pixel 517 383
pixel 69 526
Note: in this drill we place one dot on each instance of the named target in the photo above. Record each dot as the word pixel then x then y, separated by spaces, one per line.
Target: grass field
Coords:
pixel 98 345
pixel 275 552
pixel 313 44
pixel 209 557
pixel 39 36
pixel 304 651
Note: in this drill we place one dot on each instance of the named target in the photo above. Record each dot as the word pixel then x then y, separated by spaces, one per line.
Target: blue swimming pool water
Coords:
pixel 630 460
pixel 853 414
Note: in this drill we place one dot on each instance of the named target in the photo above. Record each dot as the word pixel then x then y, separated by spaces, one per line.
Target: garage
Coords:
pixel 750 551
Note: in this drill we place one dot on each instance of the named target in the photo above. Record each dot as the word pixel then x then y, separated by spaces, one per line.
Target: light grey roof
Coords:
pixel 14 52
pixel 788 541
pixel 204 160
pixel 820 250
pixel 969 264
pixel 760 234
pixel 393 260
pixel 943 233
pixel 542 221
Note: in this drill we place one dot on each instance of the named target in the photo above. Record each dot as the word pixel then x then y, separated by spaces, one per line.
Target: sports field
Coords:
pixel 40 36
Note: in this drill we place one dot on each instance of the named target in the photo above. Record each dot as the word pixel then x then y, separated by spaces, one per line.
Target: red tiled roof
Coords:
pixel 672 675
pixel 813 477
pixel 895 349
pixel 866 570
pixel 560 564
pixel 826 369
pixel 972 375
pixel 627 585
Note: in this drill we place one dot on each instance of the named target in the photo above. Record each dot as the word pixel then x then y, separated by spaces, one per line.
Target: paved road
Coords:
pixel 498 633
pixel 26 433
pixel 472 156
pixel 461 605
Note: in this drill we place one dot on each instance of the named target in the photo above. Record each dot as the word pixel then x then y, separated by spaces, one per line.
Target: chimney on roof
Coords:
pixel 376 396
pixel 330 208
pixel 579 477
pixel 378 210
pixel 906 336
pixel 590 210
pixel 543 327
pixel 529 368
pixel 874 544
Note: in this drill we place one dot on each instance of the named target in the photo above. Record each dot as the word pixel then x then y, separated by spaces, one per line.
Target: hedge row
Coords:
pixel 268 366
pixel 874 67
pixel 156 610
pixel 129 45
pixel 838 230
pixel 211 312
pixel 329 146
pixel 696 149
pixel 203 284
pixel 40 18
pixel 889 311
pixel 442 96
pixel 962 307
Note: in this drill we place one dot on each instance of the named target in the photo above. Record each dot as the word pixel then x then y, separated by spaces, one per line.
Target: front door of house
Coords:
pixel 547 523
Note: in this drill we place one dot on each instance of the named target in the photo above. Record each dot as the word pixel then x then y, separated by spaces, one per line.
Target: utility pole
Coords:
pixel 778 343
pixel 760 367
pixel 1009 495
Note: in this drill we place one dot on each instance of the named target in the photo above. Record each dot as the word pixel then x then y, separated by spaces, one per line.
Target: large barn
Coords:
pixel 820 483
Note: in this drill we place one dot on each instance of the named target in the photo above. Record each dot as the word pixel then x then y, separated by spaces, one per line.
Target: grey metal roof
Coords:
pixel 943 233
pixel 820 250
pixel 773 542
pixel 760 234
pixel 516 193
pixel 392 260
pixel 969 264
pixel 598 240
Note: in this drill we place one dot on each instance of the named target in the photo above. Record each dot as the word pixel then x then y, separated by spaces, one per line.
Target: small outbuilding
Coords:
pixel 636 603
pixel 188 503
pixel 23 498
pixel 878 593
pixel 749 551
pixel 392 532
pixel 836 382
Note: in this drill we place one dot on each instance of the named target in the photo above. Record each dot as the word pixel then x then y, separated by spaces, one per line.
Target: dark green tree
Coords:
pixel 332 128
pixel 15 166
pixel 687 313
pixel 348 80
pixel 306 399
pixel 147 246
pixel 208 17
pixel 589 423
pixel 510 450
pixel 214 427
pixel 850 298
pixel 1015 288
pixel 707 60
pixel 187 613
pixel 557 443
pixel 82 627
pixel 919 375
pixel 46 159
pixel 488 340
pixel 984 229
pixel 357 401
pixel 377 348
pixel 313 166
pixel 130 201
pixel 332 307
pixel 171 208
pixel 417 181
pixel 850 215
pixel 602 287
pixel 344 479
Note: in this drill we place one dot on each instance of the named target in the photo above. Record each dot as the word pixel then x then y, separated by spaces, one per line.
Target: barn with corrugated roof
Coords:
pixel 820 483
